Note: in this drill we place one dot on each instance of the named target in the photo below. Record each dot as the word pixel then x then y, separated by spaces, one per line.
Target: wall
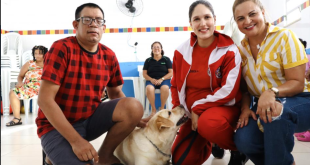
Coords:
pixel 59 14
pixel 277 8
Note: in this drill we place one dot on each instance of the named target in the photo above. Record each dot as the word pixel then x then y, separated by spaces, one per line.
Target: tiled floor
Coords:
pixel 21 145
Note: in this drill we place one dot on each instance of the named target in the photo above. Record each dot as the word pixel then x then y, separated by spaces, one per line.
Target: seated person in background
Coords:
pixel 32 72
pixel 305 136
pixel 273 67
pixel 157 71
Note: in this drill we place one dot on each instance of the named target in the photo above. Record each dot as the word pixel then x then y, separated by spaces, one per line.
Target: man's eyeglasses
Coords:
pixel 88 21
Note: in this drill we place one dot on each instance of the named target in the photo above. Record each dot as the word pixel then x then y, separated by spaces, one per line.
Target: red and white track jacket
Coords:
pixel 224 69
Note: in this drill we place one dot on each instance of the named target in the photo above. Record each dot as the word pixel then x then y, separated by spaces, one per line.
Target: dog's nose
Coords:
pixel 181 106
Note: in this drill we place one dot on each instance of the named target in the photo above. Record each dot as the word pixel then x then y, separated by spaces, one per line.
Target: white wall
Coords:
pixel 59 14
pixel 277 8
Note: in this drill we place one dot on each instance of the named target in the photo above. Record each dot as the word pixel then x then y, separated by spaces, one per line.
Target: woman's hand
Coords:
pixel 266 106
pixel 153 81
pixel 159 81
pixel 194 121
pixel 19 84
pixel 244 117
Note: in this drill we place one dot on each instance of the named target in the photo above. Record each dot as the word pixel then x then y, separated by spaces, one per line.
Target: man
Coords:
pixel 76 72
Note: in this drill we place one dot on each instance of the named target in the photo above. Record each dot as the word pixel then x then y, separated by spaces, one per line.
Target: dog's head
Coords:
pixel 169 118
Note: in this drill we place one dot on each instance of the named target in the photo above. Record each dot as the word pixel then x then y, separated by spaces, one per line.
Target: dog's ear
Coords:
pixel 163 122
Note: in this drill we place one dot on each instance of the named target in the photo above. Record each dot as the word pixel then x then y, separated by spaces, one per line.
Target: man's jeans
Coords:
pixel 275 144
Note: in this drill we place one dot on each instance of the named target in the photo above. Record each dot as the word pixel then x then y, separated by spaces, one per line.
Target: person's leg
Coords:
pixel 199 152
pixel 15 104
pixel 126 116
pixel 164 93
pixel 150 94
pixel 250 141
pixel 278 135
pixel 58 149
pixel 217 125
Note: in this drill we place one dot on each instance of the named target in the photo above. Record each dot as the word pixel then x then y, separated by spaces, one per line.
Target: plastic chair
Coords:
pixel 4 45
pixel 13 78
pixel 5 59
pixel 134 85
pixel 27 55
pixel 147 102
pixel 168 102
pixel 15 47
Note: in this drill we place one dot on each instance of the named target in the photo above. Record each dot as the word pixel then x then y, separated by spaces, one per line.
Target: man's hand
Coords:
pixel 84 150
pixel 143 122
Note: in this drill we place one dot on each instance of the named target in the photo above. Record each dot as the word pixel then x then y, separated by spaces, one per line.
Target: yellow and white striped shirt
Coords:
pixel 280 50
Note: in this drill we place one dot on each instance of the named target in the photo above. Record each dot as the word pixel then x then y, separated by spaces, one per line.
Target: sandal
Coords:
pixel 305 137
pixel 298 134
pixel 12 123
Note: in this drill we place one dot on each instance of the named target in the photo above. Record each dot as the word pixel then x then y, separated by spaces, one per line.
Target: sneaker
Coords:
pixel 237 158
pixel 217 152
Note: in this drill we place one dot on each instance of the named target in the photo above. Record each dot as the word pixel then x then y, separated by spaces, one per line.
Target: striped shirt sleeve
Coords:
pixel 292 51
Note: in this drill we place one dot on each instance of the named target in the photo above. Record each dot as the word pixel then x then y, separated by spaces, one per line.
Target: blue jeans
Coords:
pixel 275 144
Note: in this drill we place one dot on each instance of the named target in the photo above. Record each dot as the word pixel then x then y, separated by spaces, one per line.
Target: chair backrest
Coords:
pixel 5 59
pixel 13 62
pixel 13 76
pixel 15 46
pixel 4 44
pixel 27 55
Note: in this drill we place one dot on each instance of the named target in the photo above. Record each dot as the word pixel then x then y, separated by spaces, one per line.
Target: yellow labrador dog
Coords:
pixel 152 145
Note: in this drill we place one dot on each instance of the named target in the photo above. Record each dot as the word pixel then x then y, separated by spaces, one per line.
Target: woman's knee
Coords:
pixel 149 88
pixel 212 127
pixel 164 88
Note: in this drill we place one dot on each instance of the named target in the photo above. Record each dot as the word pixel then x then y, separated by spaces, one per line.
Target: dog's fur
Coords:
pixel 136 149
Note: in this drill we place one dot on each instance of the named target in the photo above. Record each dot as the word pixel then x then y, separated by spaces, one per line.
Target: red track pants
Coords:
pixel 215 125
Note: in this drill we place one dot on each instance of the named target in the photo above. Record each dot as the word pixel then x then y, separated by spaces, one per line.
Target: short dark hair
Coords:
pixel 194 4
pixel 303 42
pixel 80 8
pixel 162 51
pixel 41 49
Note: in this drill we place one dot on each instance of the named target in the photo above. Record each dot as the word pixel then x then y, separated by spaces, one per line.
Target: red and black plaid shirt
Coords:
pixel 82 77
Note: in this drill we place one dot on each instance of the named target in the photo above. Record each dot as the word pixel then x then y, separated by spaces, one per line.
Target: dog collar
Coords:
pixel 167 155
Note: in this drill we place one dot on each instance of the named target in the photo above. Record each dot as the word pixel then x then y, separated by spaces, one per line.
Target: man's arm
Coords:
pixel 46 100
pixel 115 92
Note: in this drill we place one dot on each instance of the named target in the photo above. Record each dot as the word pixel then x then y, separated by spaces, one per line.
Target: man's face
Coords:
pixel 89 33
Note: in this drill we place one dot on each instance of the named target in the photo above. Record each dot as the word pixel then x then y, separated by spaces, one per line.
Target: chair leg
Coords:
pixel 35 105
pixel 26 106
pixel 147 106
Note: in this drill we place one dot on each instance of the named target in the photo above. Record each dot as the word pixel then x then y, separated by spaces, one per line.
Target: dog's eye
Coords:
pixel 169 113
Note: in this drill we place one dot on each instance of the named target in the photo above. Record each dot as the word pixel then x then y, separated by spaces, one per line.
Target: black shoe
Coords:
pixel 237 158
pixel 217 152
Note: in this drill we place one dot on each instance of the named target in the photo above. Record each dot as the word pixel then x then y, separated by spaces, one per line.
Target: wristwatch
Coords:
pixel 163 78
pixel 275 90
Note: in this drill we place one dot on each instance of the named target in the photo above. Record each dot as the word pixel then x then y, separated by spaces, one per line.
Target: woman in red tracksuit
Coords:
pixel 206 78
